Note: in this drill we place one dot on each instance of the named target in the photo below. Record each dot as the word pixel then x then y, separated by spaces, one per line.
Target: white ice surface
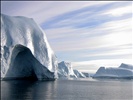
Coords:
pixel 79 74
pixel 65 70
pixel 24 31
pixel 124 70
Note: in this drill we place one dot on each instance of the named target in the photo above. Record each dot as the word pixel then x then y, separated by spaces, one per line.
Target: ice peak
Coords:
pixel 126 66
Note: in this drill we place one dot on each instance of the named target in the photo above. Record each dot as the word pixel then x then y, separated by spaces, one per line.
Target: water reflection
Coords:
pixel 66 90
pixel 27 90
pixel 44 90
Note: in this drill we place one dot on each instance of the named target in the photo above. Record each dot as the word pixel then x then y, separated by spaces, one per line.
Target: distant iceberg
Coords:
pixel 86 74
pixel 25 51
pixel 123 71
pixel 79 74
pixel 126 66
pixel 65 70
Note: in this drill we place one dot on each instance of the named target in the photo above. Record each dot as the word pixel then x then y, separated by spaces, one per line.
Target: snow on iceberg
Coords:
pixel 123 71
pixel 86 74
pixel 24 44
pixel 65 70
pixel 79 74
pixel 126 66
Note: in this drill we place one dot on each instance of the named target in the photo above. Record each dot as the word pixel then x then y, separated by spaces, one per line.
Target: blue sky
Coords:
pixel 87 33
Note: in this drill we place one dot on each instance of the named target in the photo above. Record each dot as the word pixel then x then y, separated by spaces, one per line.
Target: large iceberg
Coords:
pixel 25 51
pixel 123 71
pixel 65 70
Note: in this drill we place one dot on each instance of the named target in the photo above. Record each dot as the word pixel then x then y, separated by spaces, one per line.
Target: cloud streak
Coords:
pixel 85 17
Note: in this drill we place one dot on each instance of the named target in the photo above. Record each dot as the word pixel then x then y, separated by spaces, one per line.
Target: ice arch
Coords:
pixel 24 65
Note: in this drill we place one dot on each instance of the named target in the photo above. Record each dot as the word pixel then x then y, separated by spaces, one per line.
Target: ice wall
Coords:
pixel 24 31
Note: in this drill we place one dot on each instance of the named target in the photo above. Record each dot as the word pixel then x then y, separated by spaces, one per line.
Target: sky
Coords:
pixel 89 34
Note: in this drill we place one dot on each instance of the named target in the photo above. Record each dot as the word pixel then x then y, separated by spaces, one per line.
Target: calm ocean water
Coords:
pixel 85 89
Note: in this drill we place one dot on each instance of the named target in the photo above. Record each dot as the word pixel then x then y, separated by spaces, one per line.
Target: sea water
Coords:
pixel 80 89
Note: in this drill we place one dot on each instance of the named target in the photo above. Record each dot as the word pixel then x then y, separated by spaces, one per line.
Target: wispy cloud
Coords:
pixel 89 16
pixel 109 34
pixel 120 11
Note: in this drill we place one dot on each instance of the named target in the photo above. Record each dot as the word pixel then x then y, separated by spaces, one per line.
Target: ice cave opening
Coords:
pixel 21 64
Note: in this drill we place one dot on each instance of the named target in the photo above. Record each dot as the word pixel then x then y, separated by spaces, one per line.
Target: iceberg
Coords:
pixel 123 71
pixel 86 74
pixel 25 51
pixel 79 74
pixel 65 70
